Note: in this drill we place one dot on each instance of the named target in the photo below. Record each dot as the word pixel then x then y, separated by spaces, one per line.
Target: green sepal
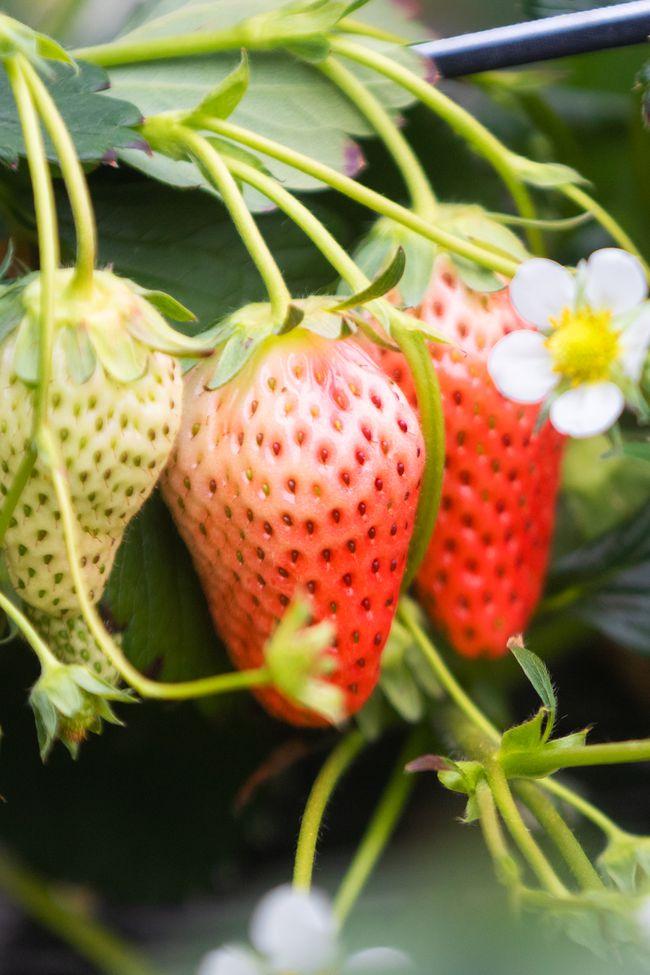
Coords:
pixel 475 277
pixel 388 279
pixel 122 357
pixel 18 38
pixel 461 777
pixel 167 305
pixel 626 861
pixel 26 364
pixel 224 99
pixel 234 356
pixel 79 354
pixel 546 175
pixel 525 737
pixel 420 254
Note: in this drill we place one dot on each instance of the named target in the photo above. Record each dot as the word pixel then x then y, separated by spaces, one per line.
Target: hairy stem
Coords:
pixel 468 127
pixel 562 836
pixel 73 177
pixel 519 831
pixel 217 171
pixel 546 762
pixel 423 200
pixel 328 778
pixel 380 828
pixel 362 195
pixel 74 927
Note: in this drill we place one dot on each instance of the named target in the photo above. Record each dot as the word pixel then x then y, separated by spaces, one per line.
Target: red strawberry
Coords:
pixel 302 473
pixel 484 570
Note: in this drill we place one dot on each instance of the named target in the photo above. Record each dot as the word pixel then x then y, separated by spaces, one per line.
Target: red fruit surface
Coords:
pixel 485 567
pixel 302 473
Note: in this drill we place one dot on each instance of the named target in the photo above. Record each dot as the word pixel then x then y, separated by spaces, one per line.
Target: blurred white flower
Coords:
pixel 296 931
pixel 591 338
pixel 643 919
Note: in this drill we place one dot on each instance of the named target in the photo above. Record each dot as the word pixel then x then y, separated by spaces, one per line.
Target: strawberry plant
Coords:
pixel 275 430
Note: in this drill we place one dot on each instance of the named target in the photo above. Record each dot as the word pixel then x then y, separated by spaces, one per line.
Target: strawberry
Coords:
pixel 301 474
pixel 484 570
pixel 114 403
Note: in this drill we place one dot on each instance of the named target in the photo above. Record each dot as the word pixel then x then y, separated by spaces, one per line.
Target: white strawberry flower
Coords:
pixel 296 931
pixel 585 356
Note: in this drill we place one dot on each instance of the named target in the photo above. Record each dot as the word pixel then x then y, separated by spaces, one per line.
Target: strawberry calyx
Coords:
pixel 69 702
pixel 297 659
pixel 118 324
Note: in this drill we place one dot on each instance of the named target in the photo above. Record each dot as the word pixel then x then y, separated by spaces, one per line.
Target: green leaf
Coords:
pixel 525 737
pixel 546 175
pixel 234 356
pixel 154 595
pixel 607 581
pixel 225 98
pixel 385 282
pixel 98 124
pixel 640 449
pixel 537 673
pixel 169 306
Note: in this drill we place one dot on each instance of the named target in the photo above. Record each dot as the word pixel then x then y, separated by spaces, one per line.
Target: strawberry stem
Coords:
pixel 45 656
pixel 555 827
pixel 612 226
pixel 219 175
pixel 336 765
pixel 75 927
pixel 423 201
pixel 455 115
pixel 380 828
pixel 363 195
pixel 73 177
pixel 505 865
pixel 47 228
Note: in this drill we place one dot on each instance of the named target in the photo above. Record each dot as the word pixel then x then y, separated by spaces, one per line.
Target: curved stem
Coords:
pixel 584 807
pixel 334 768
pixel 505 865
pixel 379 830
pixel 203 687
pixel 75 928
pixel 580 756
pixel 423 201
pixel 363 195
pixel 612 226
pixel 555 827
pixel 415 349
pixel 73 176
pixel 38 645
pixel 519 831
pixel 217 171
pixel 408 617
pixel 120 52
pixel 48 241
pixel 468 127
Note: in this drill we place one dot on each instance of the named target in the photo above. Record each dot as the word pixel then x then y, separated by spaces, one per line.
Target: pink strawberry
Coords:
pixel 485 567
pixel 300 474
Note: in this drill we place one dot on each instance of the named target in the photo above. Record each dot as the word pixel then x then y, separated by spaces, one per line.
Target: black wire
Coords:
pixel 540 40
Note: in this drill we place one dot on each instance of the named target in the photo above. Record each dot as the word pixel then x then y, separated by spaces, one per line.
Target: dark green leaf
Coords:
pixel 637 448
pixel 154 595
pixel 98 124
pixel 607 582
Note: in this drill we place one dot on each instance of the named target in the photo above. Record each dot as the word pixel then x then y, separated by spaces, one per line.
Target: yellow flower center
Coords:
pixel 583 345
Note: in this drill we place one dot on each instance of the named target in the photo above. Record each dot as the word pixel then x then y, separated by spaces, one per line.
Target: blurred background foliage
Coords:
pixel 171 828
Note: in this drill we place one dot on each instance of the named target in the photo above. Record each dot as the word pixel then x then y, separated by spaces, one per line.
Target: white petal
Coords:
pixel 615 280
pixel 295 930
pixel 230 960
pixel 587 410
pixel 521 367
pixel 634 341
pixel 388 961
pixel 541 289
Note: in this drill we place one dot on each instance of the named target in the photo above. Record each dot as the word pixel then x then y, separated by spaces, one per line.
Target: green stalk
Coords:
pixel 423 201
pixel 468 127
pixel 413 345
pixel 562 836
pixel 46 222
pixel 519 831
pixel 328 778
pixel 73 177
pixel 45 656
pixel 217 171
pixel 203 687
pixel 74 927
pixel 380 829
pixel 546 762
pixel 363 195
pixel 119 52
pixel 505 865
pixel 585 808
pixel 612 226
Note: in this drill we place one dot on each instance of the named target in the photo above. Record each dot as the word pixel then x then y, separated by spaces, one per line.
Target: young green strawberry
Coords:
pixel 114 407
pixel 301 474
pixel 484 570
